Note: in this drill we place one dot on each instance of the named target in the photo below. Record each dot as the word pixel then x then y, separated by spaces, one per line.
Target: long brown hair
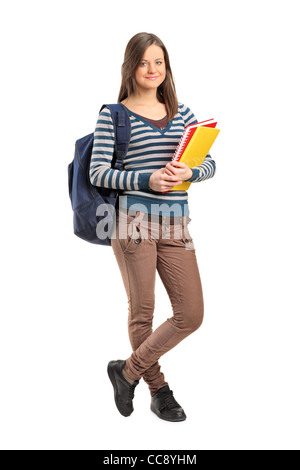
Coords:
pixel 166 92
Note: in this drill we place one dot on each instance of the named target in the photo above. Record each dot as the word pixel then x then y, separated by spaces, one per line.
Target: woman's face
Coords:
pixel 151 71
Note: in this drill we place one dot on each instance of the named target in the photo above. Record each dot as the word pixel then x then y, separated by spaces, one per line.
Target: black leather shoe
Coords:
pixel 124 391
pixel 164 405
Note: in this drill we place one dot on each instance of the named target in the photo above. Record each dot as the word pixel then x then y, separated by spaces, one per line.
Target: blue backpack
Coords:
pixel 94 206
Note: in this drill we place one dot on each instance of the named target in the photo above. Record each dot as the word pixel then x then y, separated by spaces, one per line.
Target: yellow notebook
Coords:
pixel 196 150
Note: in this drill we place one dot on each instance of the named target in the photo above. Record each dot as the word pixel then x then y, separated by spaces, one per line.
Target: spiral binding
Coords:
pixel 180 147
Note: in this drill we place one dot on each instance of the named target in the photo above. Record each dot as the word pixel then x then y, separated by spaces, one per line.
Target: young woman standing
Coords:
pixel 155 220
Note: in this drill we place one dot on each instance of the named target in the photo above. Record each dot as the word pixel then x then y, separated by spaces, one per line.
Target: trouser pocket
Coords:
pixel 129 232
pixel 187 238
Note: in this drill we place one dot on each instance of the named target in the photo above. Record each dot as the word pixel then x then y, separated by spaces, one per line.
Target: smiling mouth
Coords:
pixel 151 78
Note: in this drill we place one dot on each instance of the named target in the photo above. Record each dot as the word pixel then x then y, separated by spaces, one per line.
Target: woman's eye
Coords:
pixel 142 64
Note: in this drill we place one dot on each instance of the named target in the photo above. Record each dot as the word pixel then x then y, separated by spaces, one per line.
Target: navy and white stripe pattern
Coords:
pixel 149 150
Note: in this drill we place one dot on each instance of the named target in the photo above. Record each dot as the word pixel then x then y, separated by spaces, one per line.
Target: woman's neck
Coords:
pixel 143 98
pixel 146 104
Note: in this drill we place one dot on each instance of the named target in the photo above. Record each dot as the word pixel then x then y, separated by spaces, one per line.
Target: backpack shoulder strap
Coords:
pixel 122 130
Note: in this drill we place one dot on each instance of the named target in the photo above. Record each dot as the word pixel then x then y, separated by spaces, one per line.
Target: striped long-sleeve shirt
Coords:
pixel 149 150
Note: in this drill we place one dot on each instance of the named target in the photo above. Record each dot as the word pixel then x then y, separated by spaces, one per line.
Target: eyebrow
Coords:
pixel 145 60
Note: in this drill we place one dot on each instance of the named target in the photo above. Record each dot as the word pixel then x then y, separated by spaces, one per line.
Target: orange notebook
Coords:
pixel 193 147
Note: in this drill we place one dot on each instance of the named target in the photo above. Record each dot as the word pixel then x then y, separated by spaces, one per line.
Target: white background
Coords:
pixel 63 304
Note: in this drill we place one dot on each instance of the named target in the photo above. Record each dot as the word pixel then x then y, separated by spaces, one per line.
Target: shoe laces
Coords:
pixel 169 400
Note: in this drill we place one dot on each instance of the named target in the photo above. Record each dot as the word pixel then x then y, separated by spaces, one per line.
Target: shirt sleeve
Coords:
pixel 207 169
pixel 100 172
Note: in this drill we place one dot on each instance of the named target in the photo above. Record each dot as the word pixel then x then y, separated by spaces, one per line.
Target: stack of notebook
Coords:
pixel 194 145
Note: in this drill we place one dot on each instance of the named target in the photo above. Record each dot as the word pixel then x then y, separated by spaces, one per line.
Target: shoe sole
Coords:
pixel 159 415
pixel 113 381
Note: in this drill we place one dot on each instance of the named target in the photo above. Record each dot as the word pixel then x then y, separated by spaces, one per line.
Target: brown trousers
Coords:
pixel 141 248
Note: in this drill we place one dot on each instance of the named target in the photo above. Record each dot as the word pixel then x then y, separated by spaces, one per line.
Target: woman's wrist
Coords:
pixel 190 175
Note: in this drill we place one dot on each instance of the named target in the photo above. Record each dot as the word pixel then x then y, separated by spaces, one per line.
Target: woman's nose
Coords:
pixel 151 68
